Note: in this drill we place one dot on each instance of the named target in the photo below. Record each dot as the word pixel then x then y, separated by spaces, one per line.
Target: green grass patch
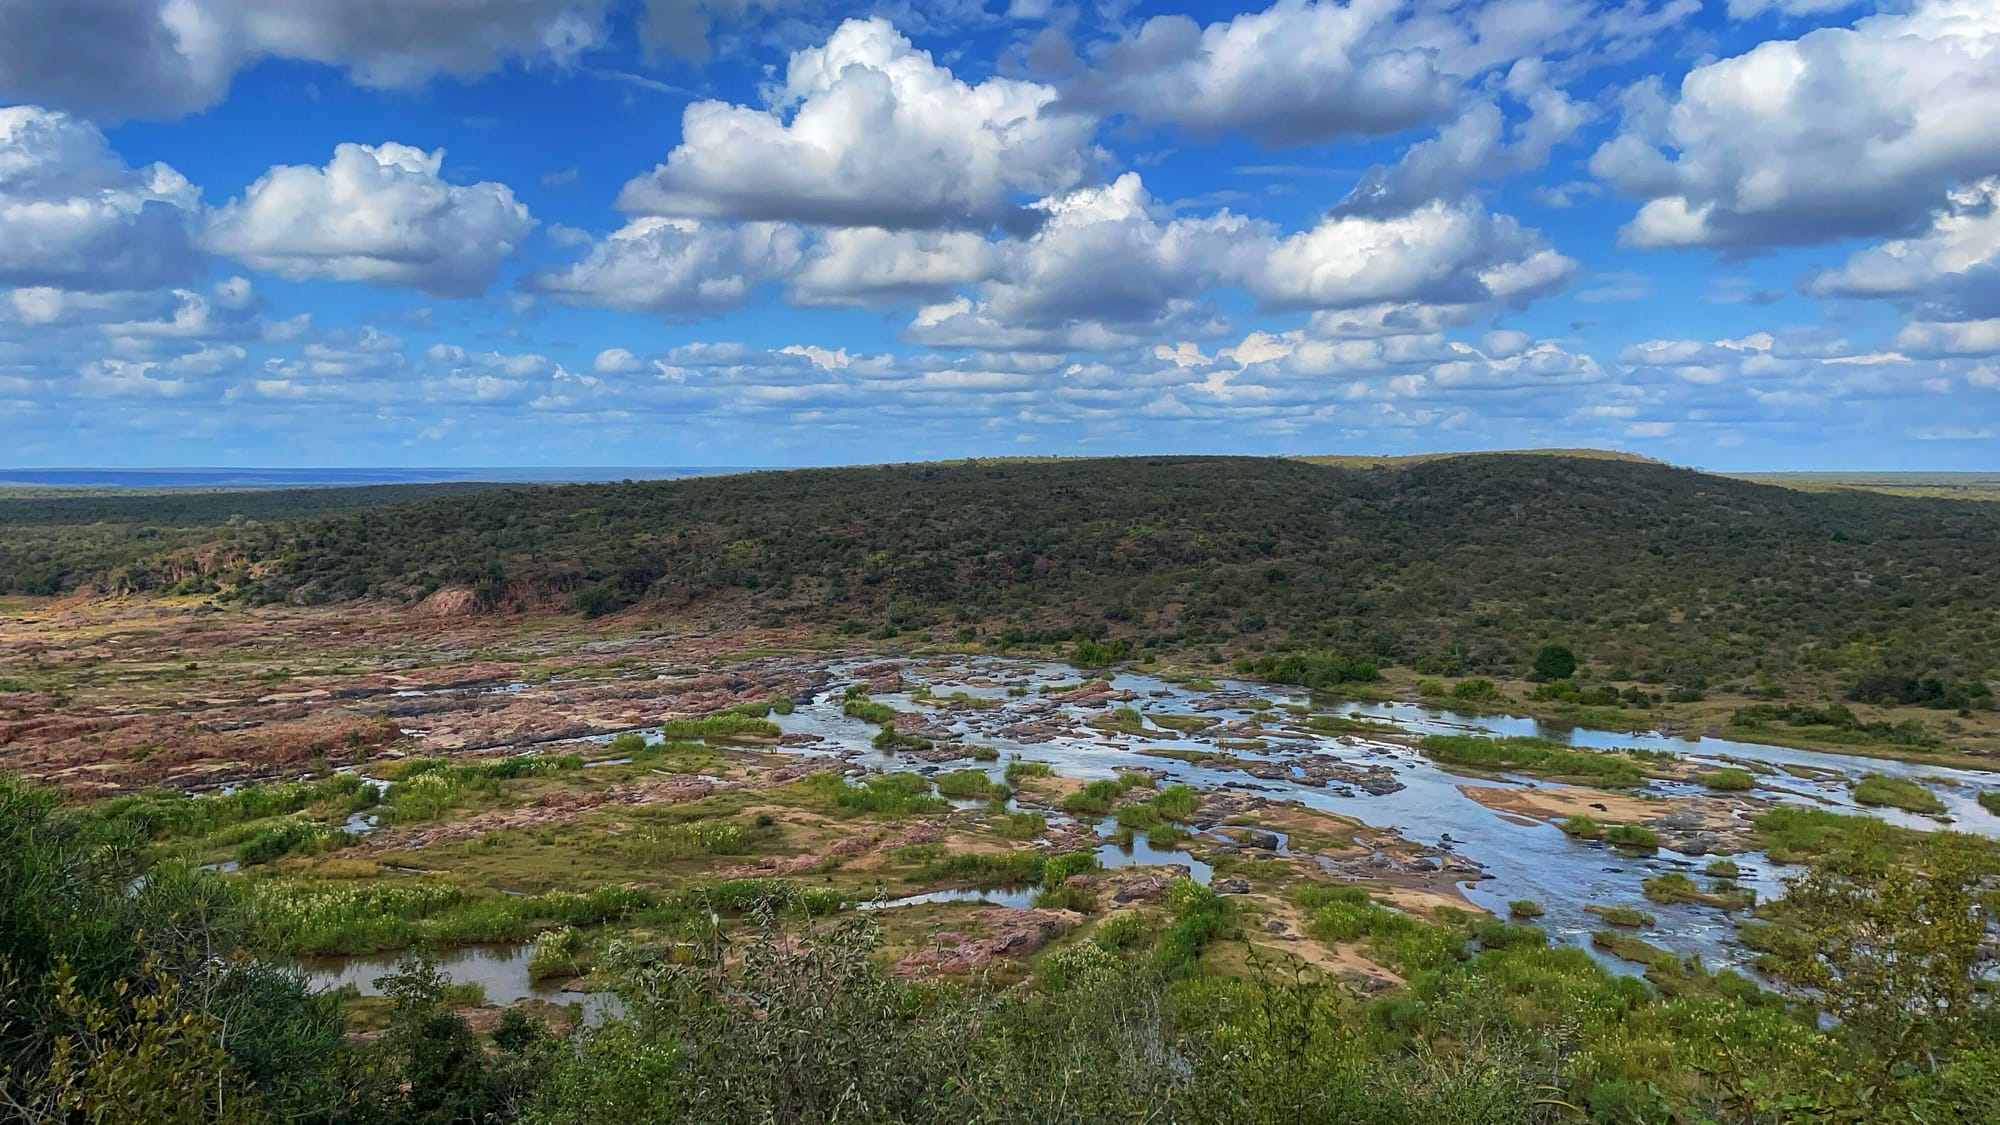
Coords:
pixel 1017 772
pixel 1896 792
pixel 1185 724
pixel 1728 779
pixel 1537 756
pixel 1629 948
pixel 869 711
pixel 1675 887
pixel 1581 827
pixel 1021 826
pixel 1636 837
pixel 889 738
pixel 726 725
pixel 1123 720
pixel 1630 917
pixel 893 794
pixel 966 784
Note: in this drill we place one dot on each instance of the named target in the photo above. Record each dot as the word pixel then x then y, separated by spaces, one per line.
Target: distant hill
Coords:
pixel 52 540
pixel 1454 564
pixel 1397 460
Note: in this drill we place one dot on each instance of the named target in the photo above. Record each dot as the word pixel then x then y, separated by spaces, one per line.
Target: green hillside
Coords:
pixel 1454 565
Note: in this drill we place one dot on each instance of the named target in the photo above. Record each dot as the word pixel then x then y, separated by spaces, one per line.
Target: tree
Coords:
pixel 1555 662
pixel 1893 949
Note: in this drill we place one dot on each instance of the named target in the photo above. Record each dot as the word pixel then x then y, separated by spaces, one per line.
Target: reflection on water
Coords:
pixel 1527 860
pixel 501 970
pixel 1533 861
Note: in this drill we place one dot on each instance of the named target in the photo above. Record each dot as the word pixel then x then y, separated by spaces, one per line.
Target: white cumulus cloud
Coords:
pixel 679 268
pixel 374 213
pixel 1840 132
pixel 866 130
pixel 73 216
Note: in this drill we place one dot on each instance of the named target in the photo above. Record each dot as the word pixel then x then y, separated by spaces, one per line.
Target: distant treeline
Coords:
pixel 1454 566
pixel 52 542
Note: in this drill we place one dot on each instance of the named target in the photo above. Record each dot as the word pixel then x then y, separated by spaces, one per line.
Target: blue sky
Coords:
pixel 1747 234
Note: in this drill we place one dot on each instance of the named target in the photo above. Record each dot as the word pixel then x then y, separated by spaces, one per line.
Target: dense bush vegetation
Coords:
pixel 1455 566
pixel 55 542
pixel 136 990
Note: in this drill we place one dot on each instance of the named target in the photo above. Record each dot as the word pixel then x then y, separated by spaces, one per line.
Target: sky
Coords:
pixel 1735 234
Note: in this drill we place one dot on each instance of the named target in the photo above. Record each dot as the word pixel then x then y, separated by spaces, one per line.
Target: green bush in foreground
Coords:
pixel 152 1004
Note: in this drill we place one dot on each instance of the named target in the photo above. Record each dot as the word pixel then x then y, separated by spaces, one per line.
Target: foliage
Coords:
pixel 893 794
pixel 1895 950
pixel 1635 836
pixel 1728 779
pixel 1019 771
pixel 1478 689
pixel 1446 563
pixel 1836 722
pixel 1315 670
pixel 162 815
pixel 1896 792
pixel 1537 756
pixel 1554 662
pixel 1022 826
pixel 125 994
pixel 723 725
pixel 1091 653
pixel 966 784
pixel 869 711
pixel 1630 917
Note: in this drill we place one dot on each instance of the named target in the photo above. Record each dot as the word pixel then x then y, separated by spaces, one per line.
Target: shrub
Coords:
pixel 723 726
pixel 1176 803
pixel 1022 826
pixel 1126 929
pixel 1630 917
pixel 1476 690
pixel 1525 908
pixel 894 794
pixel 1538 756
pixel 1581 827
pixel 965 784
pixel 1017 772
pixel 291 837
pixel 1313 670
pixel 1634 836
pixel 1728 780
pixel 1099 654
pixel 1094 799
pixel 889 738
pixel 1061 867
pixel 563 952
pixel 1896 792
pixel 1555 662
pixel 869 711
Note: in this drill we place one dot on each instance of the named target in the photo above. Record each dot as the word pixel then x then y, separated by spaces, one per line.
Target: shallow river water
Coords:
pixel 1521 860
pixel 1534 861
